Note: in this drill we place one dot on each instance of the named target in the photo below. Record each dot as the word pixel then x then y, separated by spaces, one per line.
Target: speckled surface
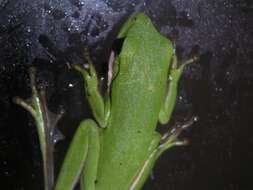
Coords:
pixel 219 89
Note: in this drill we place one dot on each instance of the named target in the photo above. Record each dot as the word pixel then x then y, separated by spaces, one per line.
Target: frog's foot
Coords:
pixel 170 138
pixel 87 70
pixel 100 107
pixel 89 74
pixel 46 122
pixel 37 105
pixel 176 71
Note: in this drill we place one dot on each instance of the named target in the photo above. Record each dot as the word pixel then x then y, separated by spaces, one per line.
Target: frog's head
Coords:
pixel 137 19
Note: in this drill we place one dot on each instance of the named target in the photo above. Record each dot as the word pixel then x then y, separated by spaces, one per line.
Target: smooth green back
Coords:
pixel 138 91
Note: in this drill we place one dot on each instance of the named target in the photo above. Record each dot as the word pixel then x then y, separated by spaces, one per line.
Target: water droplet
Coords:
pixel 86 66
pixel 218 89
pixel 6 173
pixel 27 44
pixel 3 68
pixel 28 29
pixel 81 3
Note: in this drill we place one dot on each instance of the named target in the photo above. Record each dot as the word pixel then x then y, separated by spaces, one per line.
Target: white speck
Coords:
pixel 6 173
pixel 195 119
pixel 173 130
pixel 28 29
pixel 218 89
pixel 180 97
pixel 81 3
pixel 70 85
pixel 86 66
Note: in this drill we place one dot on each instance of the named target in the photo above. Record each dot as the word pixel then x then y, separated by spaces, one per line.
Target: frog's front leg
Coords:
pixel 83 153
pixel 171 95
pixel 100 106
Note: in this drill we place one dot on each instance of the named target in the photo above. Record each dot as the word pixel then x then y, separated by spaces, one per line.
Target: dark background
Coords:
pixel 218 89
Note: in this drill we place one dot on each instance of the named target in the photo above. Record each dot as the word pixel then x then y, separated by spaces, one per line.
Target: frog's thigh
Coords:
pixel 148 163
pixel 84 149
pixel 89 176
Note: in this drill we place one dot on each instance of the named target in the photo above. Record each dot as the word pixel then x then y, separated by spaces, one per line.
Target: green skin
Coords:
pixel 119 149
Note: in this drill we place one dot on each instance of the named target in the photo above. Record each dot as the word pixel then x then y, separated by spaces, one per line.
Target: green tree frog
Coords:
pixel 118 149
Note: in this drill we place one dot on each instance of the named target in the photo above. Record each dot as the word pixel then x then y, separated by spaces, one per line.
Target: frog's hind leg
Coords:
pixel 83 153
pixel 147 166
pixel 157 147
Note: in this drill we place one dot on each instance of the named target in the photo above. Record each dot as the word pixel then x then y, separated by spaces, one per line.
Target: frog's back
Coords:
pixel 137 94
